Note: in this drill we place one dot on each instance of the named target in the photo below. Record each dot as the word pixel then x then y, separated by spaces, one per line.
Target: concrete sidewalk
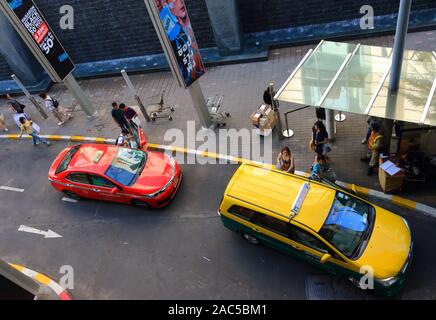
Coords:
pixel 242 86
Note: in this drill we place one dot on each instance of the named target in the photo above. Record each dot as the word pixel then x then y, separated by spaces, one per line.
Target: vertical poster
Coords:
pixel 43 37
pixel 175 21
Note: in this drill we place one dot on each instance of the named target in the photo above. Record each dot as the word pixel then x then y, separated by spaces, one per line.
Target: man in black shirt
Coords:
pixel 17 106
pixel 119 117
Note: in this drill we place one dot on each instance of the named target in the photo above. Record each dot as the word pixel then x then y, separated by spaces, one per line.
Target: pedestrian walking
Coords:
pixel 320 138
pixel 15 104
pixel 375 145
pixel 17 108
pixel 3 123
pixel 26 126
pixel 53 106
pixel 285 161
pixel 119 117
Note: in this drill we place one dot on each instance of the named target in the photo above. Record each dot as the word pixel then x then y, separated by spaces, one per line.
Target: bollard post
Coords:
pixel 29 96
pixel 135 94
pixel 275 105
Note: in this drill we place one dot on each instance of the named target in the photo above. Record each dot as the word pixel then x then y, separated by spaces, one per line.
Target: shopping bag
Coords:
pixel 36 127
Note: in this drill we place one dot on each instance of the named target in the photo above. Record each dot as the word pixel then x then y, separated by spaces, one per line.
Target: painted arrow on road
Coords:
pixel 47 234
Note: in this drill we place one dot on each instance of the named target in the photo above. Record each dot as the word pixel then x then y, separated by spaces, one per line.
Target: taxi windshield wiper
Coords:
pixel 366 234
pixel 142 165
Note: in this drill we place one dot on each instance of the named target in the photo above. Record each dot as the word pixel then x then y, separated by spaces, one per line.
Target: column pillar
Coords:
pixel 18 56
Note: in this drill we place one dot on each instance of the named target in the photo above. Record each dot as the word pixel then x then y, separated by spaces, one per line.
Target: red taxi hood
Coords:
pixel 157 173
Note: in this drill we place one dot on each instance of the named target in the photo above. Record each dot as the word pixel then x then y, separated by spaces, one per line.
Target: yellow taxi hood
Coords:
pixel 389 245
pixel 276 191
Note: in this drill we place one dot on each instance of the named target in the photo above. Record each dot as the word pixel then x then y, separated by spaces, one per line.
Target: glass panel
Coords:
pixel 357 84
pixel 359 80
pixel 311 81
pixel 408 104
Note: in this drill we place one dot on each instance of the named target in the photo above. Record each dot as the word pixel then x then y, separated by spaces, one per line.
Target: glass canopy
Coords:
pixel 355 78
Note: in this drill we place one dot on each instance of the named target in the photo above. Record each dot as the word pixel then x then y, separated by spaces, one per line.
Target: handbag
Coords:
pixel 312 146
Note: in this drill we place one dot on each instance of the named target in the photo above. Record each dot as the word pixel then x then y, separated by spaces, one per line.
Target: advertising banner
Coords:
pixel 175 21
pixel 42 36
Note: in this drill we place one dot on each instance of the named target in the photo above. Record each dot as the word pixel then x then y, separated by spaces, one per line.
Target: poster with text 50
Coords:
pixel 175 20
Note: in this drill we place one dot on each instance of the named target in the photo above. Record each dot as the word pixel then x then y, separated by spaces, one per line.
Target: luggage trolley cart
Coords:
pixel 214 106
pixel 160 110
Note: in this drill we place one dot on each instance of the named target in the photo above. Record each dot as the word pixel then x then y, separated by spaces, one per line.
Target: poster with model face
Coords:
pixel 175 20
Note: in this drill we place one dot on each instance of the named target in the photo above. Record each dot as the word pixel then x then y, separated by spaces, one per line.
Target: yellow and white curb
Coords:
pixel 427 210
pixel 44 280
pixel 53 137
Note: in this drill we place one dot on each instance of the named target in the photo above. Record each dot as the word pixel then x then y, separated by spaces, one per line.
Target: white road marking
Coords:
pixel 69 200
pixel 47 234
pixel 207 259
pixel 11 189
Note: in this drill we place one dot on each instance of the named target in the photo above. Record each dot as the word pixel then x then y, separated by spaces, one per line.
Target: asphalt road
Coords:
pixel 180 252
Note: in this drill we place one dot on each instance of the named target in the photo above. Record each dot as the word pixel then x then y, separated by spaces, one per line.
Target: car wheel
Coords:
pixel 250 238
pixel 71 195
pixel 141 204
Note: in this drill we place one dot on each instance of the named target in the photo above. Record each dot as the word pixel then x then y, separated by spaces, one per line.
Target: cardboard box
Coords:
pixel 255 117
pixel 263 122
pixel 388 183
pixel 264 108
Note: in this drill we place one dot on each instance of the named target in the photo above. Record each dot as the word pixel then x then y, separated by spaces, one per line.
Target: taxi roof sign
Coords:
pixel 98 156
pixel 299 200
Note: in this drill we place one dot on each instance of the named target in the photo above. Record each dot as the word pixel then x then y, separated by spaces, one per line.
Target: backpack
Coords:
pixel 55 102
pixel 19 107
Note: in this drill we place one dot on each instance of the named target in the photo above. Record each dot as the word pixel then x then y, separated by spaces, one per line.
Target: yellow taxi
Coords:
pixel 320 223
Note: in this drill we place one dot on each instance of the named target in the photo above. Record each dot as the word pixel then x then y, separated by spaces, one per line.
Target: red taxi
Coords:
pixel 118 174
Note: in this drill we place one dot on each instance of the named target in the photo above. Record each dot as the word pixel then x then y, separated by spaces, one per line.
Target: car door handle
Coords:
pixel 256 230
pixel 96 190
pixel 296 247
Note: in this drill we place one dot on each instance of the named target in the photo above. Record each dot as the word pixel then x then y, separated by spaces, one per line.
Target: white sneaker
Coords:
pixel 6 130
pixel 61 123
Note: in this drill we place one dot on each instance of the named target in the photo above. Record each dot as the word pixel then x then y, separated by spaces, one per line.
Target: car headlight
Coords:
pixel 409 258
pixel 173 165
pixel 153 195
pixel 388 282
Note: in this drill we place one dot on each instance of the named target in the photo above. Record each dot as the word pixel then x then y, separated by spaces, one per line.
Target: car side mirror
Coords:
pixel 325 258
pixel 115 190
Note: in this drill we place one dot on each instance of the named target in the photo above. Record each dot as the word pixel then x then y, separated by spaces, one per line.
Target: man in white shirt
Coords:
pixel 53 106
